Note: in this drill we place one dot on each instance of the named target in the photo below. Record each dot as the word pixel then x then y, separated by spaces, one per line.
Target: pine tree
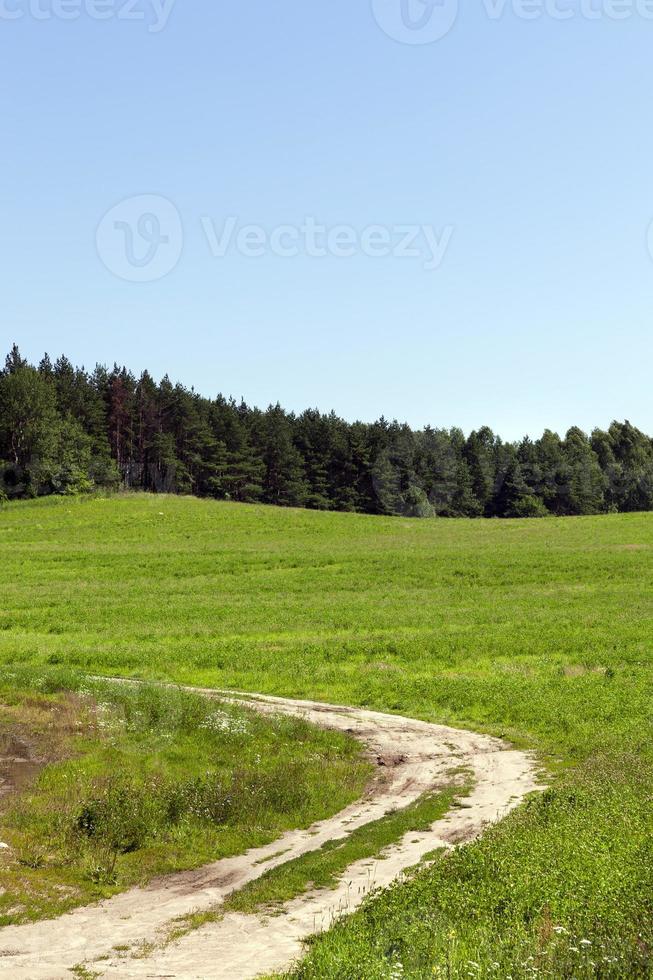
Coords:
pixel 14 361
pixel 587 484
pixel 510 496
pixel 29 425
pixel 478 453
pixel 633 452
pixel 285 482
pixel 313 442
pixel 120 402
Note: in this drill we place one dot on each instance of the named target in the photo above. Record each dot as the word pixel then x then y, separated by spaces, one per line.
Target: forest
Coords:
pixel 65 430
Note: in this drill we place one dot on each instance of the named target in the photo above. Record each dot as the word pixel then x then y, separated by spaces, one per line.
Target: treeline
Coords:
pixel 64 430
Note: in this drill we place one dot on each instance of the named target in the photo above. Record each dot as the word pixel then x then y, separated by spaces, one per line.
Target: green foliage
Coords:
pixel 28 427
pixel 527 505
pixel 45 451
pixel 416 503
pixel 65 431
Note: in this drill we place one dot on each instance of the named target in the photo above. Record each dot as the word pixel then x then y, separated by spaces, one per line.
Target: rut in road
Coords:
pixel 414 757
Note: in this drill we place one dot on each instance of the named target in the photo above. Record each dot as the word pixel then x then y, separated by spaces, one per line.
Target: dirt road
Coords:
pixel 413 757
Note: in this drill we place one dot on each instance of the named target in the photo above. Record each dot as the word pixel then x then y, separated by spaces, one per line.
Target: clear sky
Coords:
pixel 522 140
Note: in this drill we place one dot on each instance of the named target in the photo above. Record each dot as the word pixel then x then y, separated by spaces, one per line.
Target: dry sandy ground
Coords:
pixel 413 757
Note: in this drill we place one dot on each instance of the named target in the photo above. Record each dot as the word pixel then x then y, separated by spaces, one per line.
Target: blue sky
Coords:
pixel 524 144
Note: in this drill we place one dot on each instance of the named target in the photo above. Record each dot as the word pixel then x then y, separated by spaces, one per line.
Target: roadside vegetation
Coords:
pixel 537 630
pixel 115 784
pixel 560 889
pixel 324 867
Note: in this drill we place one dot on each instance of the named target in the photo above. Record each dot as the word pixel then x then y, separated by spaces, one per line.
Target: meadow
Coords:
pixel 540 631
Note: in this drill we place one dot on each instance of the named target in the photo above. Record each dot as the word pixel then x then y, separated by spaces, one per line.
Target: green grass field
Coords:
pixel 541 631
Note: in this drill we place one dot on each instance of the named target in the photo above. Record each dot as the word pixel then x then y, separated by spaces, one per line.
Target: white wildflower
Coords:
pixel 220 721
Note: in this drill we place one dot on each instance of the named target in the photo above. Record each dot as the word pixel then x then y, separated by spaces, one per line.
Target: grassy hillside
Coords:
pixel 509 626
pixel 539 630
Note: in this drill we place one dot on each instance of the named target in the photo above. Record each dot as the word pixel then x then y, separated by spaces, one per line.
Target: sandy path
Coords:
pixel 413 757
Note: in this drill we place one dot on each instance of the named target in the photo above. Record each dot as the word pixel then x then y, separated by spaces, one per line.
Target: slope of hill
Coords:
pixel 536 630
